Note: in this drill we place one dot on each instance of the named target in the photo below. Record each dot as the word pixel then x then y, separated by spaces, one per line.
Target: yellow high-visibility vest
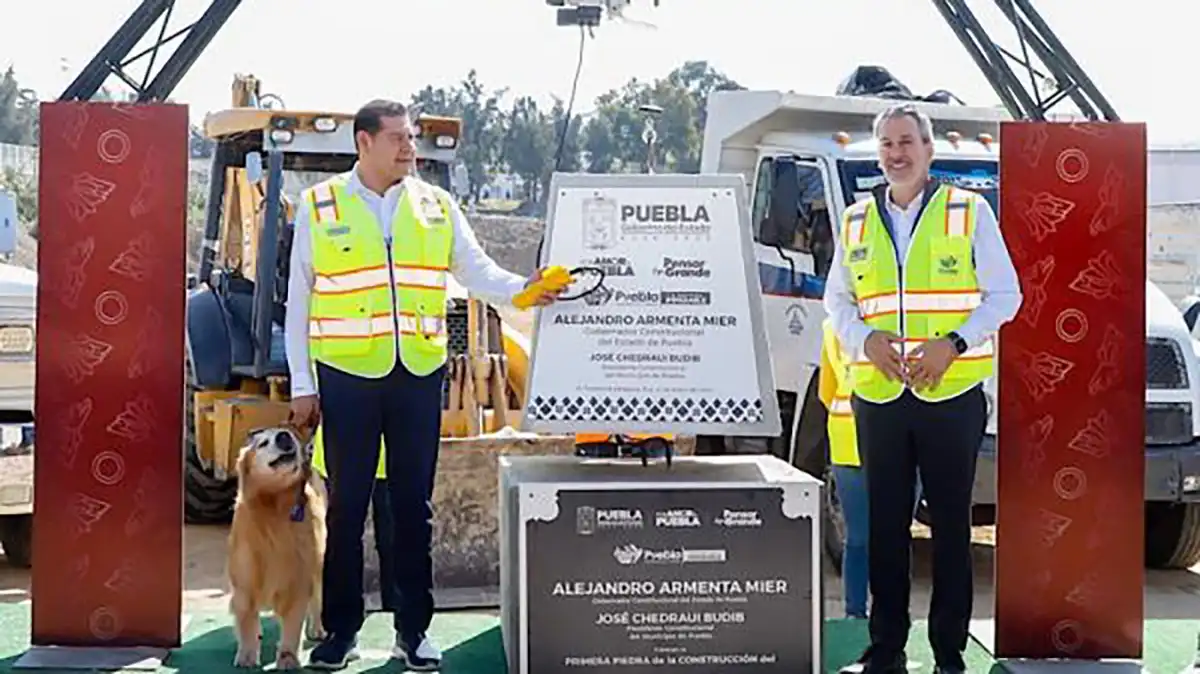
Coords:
pixel 834 390
pixel 368 301
pixel 938 292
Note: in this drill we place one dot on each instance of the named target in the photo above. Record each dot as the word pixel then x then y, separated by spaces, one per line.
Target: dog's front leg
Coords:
pixel 291 626
pixel 313 629
pixel 248 642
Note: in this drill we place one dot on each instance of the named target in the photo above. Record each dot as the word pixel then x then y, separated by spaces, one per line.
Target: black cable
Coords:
pixel 578 272
pixel 562 137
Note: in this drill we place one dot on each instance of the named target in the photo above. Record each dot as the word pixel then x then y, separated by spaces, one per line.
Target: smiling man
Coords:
pixel 371 254
pixel 920 283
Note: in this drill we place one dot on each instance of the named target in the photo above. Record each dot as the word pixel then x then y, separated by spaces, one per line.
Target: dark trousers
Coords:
pixel 404 410
pixel 381 515
pixel 941 442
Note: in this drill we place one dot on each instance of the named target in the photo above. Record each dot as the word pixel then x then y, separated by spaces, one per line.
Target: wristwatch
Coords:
pixel 960 344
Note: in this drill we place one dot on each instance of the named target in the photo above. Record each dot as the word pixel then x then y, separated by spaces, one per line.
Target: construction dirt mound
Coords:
pixel 511 241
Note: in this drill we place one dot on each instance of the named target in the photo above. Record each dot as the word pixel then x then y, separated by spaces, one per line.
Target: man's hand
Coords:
pixel 305 412
pixel 546 296
pixel 928 362
pixel 883 355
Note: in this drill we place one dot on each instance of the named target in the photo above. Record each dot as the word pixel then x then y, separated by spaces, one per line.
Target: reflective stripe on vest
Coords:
pixel 938 292
pixel 318 460
pixel 370 301
pixel 843 438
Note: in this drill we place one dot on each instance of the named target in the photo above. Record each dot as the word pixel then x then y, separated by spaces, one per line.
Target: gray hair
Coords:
pixel 901 110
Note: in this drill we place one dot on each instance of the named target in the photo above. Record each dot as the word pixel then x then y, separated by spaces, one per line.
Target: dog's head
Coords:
pixel 275 459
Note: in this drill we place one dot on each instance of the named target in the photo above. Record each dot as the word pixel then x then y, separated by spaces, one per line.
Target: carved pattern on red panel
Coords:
pixel 108 510
pixel 1072 378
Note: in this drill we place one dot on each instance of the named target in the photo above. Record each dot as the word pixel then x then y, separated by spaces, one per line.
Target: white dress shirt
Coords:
pixel 999 287
pixel 469 264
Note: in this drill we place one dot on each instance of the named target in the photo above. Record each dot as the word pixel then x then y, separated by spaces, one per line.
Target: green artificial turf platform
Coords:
pixel 472 645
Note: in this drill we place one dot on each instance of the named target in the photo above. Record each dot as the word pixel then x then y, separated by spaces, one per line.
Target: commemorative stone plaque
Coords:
pixel 711 565
pixel 672 339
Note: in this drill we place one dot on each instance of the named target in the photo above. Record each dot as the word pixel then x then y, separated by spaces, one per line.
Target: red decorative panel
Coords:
pixel 108 510
pixel 1072 393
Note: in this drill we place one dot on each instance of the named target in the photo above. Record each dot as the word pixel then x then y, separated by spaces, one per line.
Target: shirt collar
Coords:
pixel 913 206
pixel 355 186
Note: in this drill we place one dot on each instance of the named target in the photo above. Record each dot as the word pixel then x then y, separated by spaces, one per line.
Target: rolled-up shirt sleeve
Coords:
pixel 842 305
pixel 999 285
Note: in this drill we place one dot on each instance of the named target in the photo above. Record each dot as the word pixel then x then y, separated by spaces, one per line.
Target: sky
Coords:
pixel 322 55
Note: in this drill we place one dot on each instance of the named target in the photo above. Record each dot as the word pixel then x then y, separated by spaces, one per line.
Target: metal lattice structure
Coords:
pixel 1058 79
pixel 184 45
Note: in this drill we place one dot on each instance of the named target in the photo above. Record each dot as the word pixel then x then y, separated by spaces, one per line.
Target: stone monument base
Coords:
pixel 710 564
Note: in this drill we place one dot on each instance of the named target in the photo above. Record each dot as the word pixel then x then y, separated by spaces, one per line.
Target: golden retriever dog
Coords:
pixel 277 544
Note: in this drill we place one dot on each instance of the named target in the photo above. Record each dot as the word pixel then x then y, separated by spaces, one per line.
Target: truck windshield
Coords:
pixel 859 176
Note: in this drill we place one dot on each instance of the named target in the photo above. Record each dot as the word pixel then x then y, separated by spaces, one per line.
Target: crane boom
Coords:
pixel 114 57
pixel 1026 101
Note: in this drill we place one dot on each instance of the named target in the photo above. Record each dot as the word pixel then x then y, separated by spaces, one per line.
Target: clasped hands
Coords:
pixel 923 367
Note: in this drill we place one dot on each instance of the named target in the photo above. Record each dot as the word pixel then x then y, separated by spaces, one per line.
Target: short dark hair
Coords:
pixel 369 117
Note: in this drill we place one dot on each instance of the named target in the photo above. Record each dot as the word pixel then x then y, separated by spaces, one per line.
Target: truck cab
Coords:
pixel 805 159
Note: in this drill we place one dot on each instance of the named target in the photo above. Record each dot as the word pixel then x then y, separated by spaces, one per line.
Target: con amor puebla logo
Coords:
pixel 614 266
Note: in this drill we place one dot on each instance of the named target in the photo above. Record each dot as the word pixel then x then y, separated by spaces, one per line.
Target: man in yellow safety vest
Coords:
pixel 371 252
pixel 919 285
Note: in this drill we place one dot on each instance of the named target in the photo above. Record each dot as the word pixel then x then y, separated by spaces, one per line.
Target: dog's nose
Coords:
pixel 283 441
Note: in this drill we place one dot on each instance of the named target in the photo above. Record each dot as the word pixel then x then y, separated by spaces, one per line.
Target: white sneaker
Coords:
pixel 418 653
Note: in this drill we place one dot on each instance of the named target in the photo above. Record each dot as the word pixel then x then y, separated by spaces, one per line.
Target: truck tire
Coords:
pixel 208 499
pixel 1172 535
pixel 16 537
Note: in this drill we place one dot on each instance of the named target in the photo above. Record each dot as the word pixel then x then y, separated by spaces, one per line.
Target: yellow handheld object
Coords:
pixel 553 278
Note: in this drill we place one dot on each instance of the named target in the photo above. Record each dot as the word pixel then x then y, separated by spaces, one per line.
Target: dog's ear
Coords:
pixel 246 455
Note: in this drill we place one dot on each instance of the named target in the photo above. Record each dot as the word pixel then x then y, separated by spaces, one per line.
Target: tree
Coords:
pixel 18 111
pixel 528 144
pixel 613 137
pixel 483 131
